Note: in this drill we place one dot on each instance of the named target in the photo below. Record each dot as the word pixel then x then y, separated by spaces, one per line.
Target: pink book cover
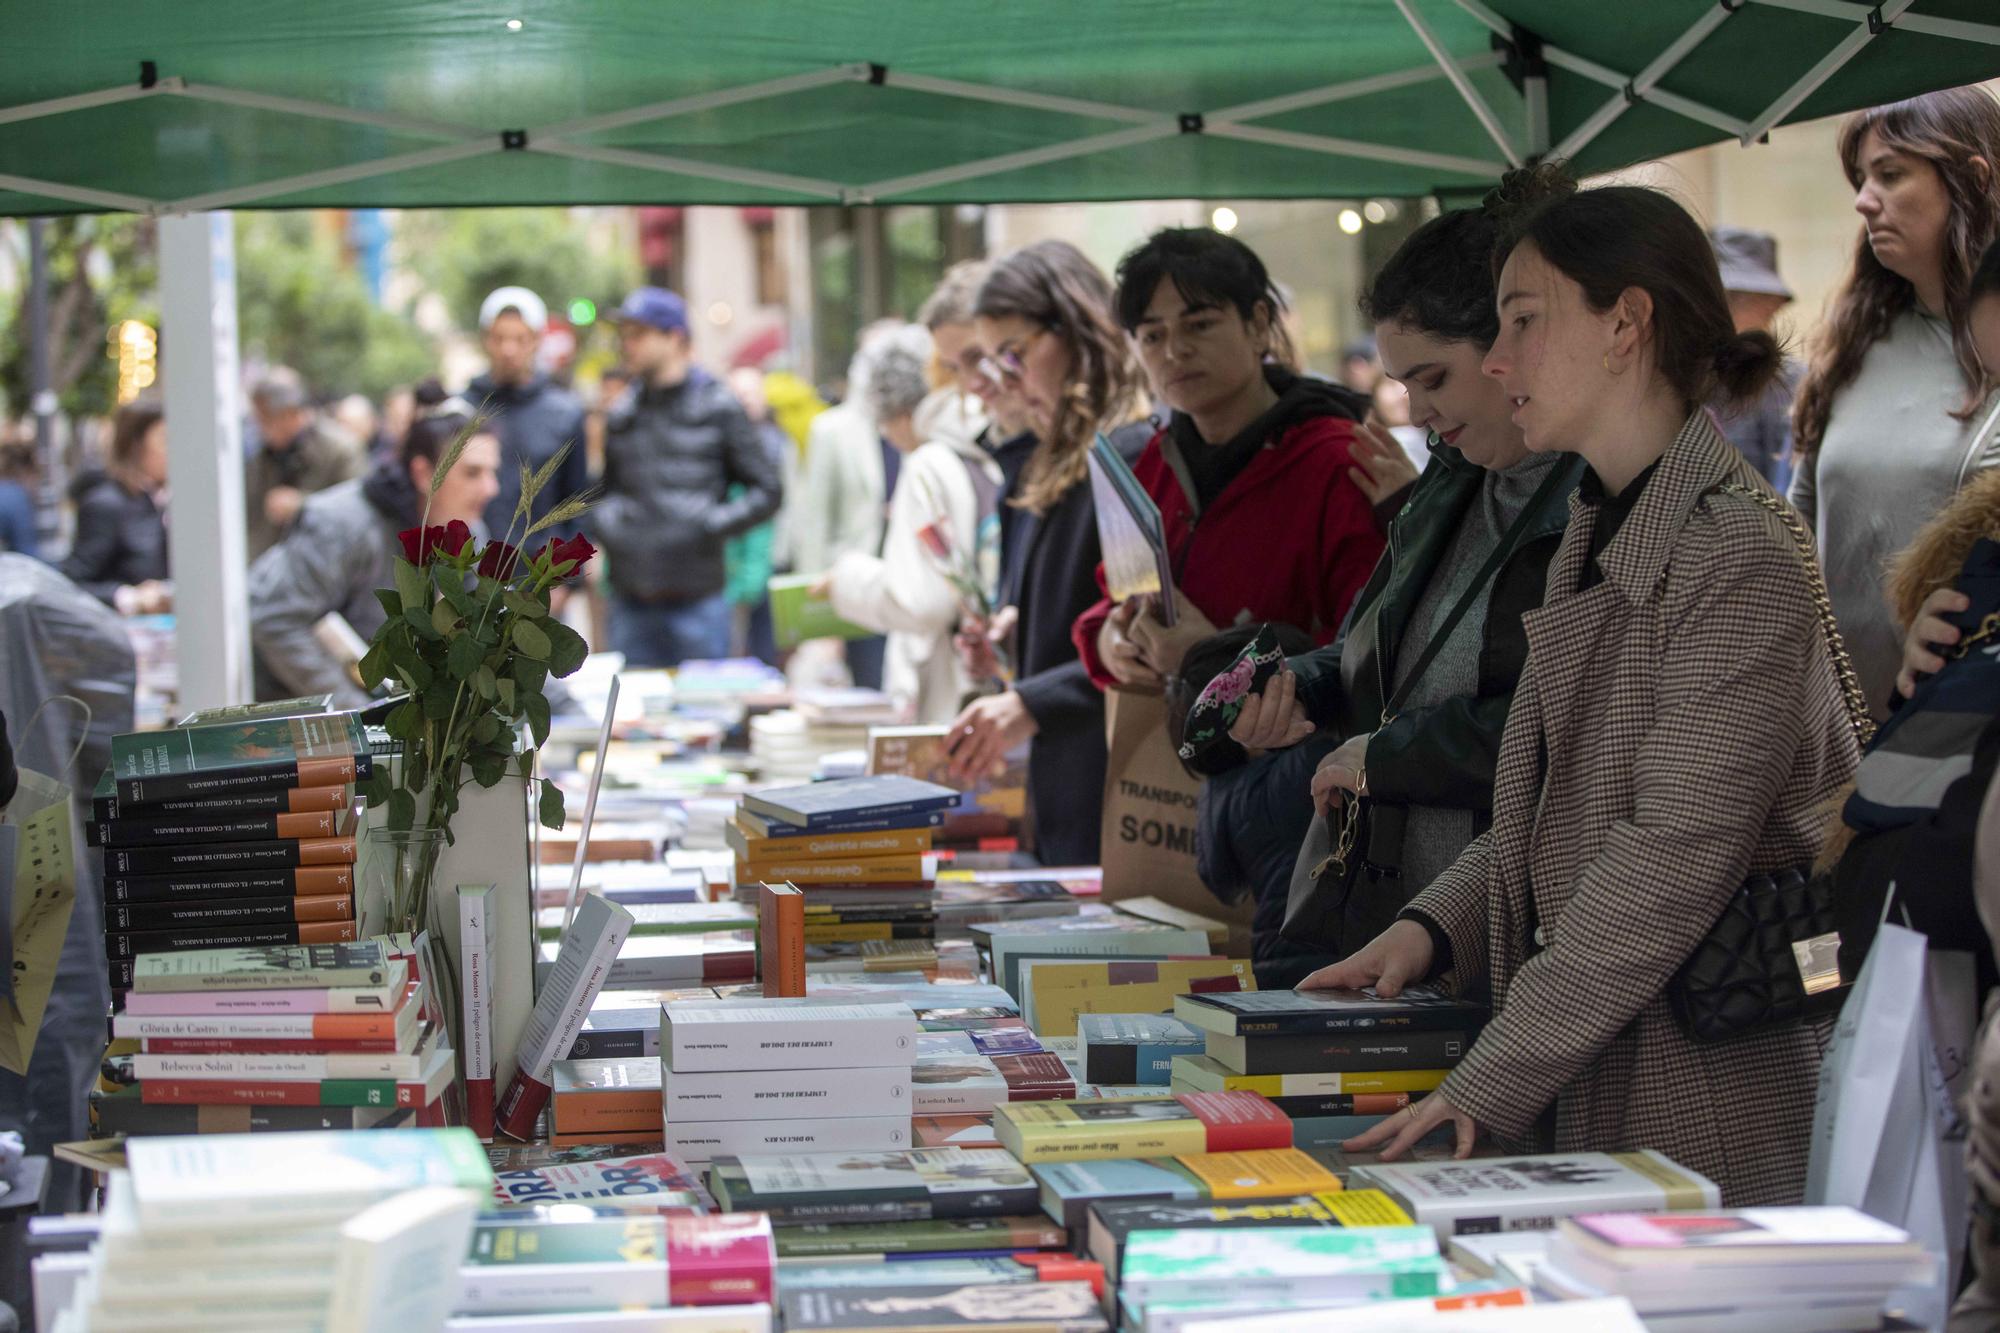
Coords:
pixel 726 1259
pixel 203 1004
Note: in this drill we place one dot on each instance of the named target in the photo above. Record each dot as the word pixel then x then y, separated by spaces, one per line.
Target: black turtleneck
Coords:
pixel 1612 511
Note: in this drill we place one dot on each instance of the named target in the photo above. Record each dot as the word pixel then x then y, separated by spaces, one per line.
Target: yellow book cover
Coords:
pixel 842 932
pixel 854 870
pixel 754 848
pixel 1201 1073
pixel 1263 1174
pixel 1058 991
pixel 1364 1208
pixel 1089 1130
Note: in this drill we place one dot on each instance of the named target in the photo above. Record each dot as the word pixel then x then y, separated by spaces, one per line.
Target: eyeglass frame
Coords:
pixel 1005 366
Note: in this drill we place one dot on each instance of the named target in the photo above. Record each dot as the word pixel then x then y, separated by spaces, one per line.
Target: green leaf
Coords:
pixel 413 585
pixel 566 649
pixel 526 607
pixel 537 708
pixel 405 721
pixel 444 617
pixel 402 810
pixel 485 683
pixel 531 640
pixel 437 704
pixel 505 688
pixel 485 729
pixel 418 618
pixel 453 590
pixel 392 602
pixel 464 657
pixel 551 805
pixel 374 667
pixel 376 786
pixel 416 769
pixel 487 771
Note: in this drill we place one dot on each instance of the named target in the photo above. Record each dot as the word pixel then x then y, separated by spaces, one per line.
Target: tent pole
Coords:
pixel 1879 20
pixel 41 396
pixel 1032 157
pixel 1368 152
pixel 685 106
pixel 206 541
pixel 294 106
pixel 56 106
pixel 1458 78
pixel 109 200
pixel 681 166
pixel 313 180
pixel 1643 84
pixel 1341 92
pixel 1535 94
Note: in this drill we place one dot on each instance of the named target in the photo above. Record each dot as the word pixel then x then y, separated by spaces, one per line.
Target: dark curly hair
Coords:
pixel 1440 280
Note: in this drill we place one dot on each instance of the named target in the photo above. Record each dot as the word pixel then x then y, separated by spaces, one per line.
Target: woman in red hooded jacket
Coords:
pixel 1257 473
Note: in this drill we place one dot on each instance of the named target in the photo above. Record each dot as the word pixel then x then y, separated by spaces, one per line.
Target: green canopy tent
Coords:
pixel 209 104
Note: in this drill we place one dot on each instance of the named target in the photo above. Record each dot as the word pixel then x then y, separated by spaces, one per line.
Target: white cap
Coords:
pixel 529 305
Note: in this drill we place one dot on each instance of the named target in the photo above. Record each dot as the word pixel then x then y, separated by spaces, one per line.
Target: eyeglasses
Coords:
pixel 1006 365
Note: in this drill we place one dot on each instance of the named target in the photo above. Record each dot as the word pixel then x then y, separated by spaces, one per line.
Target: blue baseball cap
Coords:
pixel 655 307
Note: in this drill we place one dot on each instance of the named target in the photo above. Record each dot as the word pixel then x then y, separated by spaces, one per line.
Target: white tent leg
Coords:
pixel 207 542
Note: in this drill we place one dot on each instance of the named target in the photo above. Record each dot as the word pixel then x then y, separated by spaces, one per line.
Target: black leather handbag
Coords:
pixel 1773 956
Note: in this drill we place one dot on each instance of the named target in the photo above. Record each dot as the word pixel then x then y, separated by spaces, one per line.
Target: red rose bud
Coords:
pixel 413 544
pixel 499 560
pixel 457 536
pixel 577 548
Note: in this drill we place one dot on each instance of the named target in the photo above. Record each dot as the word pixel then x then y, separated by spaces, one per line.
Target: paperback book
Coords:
pixel 1068 1189
pixel 1049 1307
pixel 1133 1049
pixel 829 805
pixel 937 1235
pixel 362 964
pixel 1114 1221
pixel 1533 1193
pixel 781 1094
pixel 786 1034
pixel 911 1185
pixel 1202 1073
pixel 1302 1013
pixel 1140 1127
pixel 227 758
pixel 657 1182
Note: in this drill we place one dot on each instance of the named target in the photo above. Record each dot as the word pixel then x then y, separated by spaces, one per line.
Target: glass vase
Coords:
pixel 397 877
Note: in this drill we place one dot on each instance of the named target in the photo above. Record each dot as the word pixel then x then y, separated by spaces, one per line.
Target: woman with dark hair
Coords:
pixel 1894 413
pixel 1678 725
pixel 1250 449
pixel 1043 318
pixel 119 554
pixel 1428 770
pixel 339 551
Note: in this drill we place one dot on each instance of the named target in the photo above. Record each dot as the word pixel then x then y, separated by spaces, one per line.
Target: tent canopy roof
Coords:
pixel 136 104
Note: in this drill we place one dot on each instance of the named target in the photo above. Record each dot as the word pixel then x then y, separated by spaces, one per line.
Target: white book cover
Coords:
pixel 1423 1316
pixel 1534 1193
pixel 690 1319
pixel 475 966
pixel 701 1141
pixel 403 1068
pixel 325 1000
pixel 786 1034
pixel 786 1094
pixel 401 1022
pixel 396 1264
pixel 589 947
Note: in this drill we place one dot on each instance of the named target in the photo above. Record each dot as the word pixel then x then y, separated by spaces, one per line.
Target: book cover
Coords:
pixel 1140 1127
pixel 582 965
pixel 1129 532
pixel 125 1113
pixel 701 1141
pixel 1132 1050
pixel 1342 1052
pixel 1055 993
pixel 1113 1221
pixel 163 830
pixel 1069 1188
pixel 782 1094
pixel 1533 1193
pixel 134 944
pixel 960 1082
pixel 872 870
pixel 781 939
pixel 1362 1263
pixel 655 1181
pixel 909 1185
pixel 300 706
pixel 954 1131
pixel 786 1034
pixel 475 971
pixel 796 615
pixel 306 881
pixel 230 757
pixel 228 912
pixel 1093 937
pixel 1202 1073
pixel 937 1235
pixel 650 962
pixel 760 826
pixel 343 999
pixel 1285 1013
pixel 564 1266
pixel 395 1264
pixel 253 1179
pixel 393 1025
pixel 663 918
pixel 754 847
pixel 822 805
pixel 994 805
pixel 277 967
pixel 106 807
pixel 1047 1307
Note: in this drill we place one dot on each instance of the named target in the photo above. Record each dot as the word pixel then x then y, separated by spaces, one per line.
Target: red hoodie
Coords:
pixel 1290 539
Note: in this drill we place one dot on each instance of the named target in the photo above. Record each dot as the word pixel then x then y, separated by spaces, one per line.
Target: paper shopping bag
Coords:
pixel 1148 843
pixel 42 895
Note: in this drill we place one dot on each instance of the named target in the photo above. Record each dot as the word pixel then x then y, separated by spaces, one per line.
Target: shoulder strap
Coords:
pixel 1836 647
pixel 1505 548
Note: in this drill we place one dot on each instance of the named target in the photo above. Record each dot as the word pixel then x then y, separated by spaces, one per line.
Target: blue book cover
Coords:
pixel 1134 1050
pixel 824 805
pixel 1069 1188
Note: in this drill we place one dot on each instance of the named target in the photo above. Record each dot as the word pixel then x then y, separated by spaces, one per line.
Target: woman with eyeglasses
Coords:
pixel 1044 320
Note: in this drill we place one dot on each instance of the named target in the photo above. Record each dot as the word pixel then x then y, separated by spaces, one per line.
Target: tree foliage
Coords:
pixel 103 270
pixel 462 254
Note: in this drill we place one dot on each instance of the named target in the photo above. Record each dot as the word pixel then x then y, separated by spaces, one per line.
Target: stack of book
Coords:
pixel 973 1073
pixel 239 831
pixel 1057 992
pixel 254 1231
pixel 1004 946
pixel 859 849
pixel 1492 1195
pixel 1336 1062
pixel 755 1076
pixel 564 1261
pixel 606 1101
pixel 1169 1278
pixel 284 1037
pixel 1133 1049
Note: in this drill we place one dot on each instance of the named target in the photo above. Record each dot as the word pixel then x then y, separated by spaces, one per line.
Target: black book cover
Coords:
pixel 200 857
pixel 227 884
pixel 1288 1013
pixel 124 945
pixel 1336 1052
pixel 202 915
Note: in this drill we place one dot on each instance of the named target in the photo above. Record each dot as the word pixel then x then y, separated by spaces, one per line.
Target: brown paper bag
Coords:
pixel 1148 844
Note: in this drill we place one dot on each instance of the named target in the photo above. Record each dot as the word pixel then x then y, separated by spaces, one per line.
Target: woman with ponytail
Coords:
pixel 1678 724
pixel 1894 416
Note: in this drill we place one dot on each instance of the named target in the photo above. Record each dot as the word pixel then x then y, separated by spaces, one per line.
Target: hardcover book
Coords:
pixel 786 1034
pixel 828 805
pixel 904 1186
pixel 1140 1127
pixel 1202 1073
pixel 1133 1049
pixel 1285 1013
pixel 937 1235
pixel 1339 1052
pixel 281 967
pixel 781 939
pixel 1533 1193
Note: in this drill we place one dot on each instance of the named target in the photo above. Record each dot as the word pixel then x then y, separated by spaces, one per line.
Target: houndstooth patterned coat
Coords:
pixel 1674 729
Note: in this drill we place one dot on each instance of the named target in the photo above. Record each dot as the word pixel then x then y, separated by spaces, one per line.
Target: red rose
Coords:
pixel 577 548
pixel 457 536
pixel 418 543
pixel 498 561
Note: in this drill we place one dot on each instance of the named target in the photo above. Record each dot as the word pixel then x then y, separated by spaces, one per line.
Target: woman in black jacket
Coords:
pixel 1044 319
pixel 1416 697
pixel 119 554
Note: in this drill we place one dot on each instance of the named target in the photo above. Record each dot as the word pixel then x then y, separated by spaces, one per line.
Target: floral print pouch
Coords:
pixel 1216 708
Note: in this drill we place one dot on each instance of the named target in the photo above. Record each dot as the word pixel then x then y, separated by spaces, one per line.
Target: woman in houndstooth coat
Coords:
pixel 1678 726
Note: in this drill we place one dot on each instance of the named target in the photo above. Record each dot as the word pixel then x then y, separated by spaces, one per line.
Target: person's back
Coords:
pixel 533 415
pixel 18 476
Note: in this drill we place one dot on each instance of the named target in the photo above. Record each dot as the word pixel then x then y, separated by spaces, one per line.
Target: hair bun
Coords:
pixel 1525 189
pixel 1746 364
pixel 429 392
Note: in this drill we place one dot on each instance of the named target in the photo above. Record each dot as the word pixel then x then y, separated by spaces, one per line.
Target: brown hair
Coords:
pixel 129 427
pixel 1052 284
pixel 1617 237
pixel 1947 129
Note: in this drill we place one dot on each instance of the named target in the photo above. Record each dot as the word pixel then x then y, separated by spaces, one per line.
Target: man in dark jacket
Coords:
pixel 674 445
pixel 533 415
pixel 293 452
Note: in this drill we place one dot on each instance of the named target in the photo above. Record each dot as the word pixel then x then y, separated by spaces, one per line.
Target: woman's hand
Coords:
pixel 1165 645
pixel 1343 771
pixel 1273 718
pixel 983 734
pixel 978 642
pixel 1121 655
pixel 1930 627
pixel 1401 1130
pixel 1381 468
pixel 1400 954
pixel 821 588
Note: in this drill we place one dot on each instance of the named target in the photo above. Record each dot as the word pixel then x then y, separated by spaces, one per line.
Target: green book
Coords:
pixel 227 758
pixel 937 1235
pixel 665 919
pixel 1192 1267
pixel 796 615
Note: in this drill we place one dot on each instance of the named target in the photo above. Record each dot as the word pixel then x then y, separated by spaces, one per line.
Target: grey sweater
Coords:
pixel 1892 455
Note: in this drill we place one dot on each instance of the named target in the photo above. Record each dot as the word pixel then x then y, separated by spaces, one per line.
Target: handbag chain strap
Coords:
pixel 1836 647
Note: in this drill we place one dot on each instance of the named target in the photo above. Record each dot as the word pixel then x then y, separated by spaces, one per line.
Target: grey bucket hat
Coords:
pixel 1749 261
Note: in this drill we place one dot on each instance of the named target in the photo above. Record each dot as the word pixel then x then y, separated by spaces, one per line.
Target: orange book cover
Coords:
pixel 326 851
pixel 781 939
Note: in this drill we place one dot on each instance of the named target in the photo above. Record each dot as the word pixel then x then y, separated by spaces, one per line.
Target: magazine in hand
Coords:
pixel 1129 532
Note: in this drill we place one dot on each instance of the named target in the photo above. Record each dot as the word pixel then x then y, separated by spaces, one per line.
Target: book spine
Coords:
pixel 695 1046
pixel 627 1113
pixel 582 964
pixel 285 801
pixel 905 870
pixel 245 1046
pixel 697 1141
pixel 788 1094
pixel 1441 1019
pixel 476 996
pixel 159 788
pixel 1342 1103
pixel 862 932
pixel 883 842
pixel 327 1092
pixel 133 943
pixel 172 830
pixel 1360 1054
pixel 761 826
pixel 357 1000
pixel 262 1027
pixel 710 1262
pixel 618 1043
pixel 278 1068
pixel 1239 1121
pixel 209 857
pixel 781 923
pixel 177 977
pixel 306 881
pixel 227 912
